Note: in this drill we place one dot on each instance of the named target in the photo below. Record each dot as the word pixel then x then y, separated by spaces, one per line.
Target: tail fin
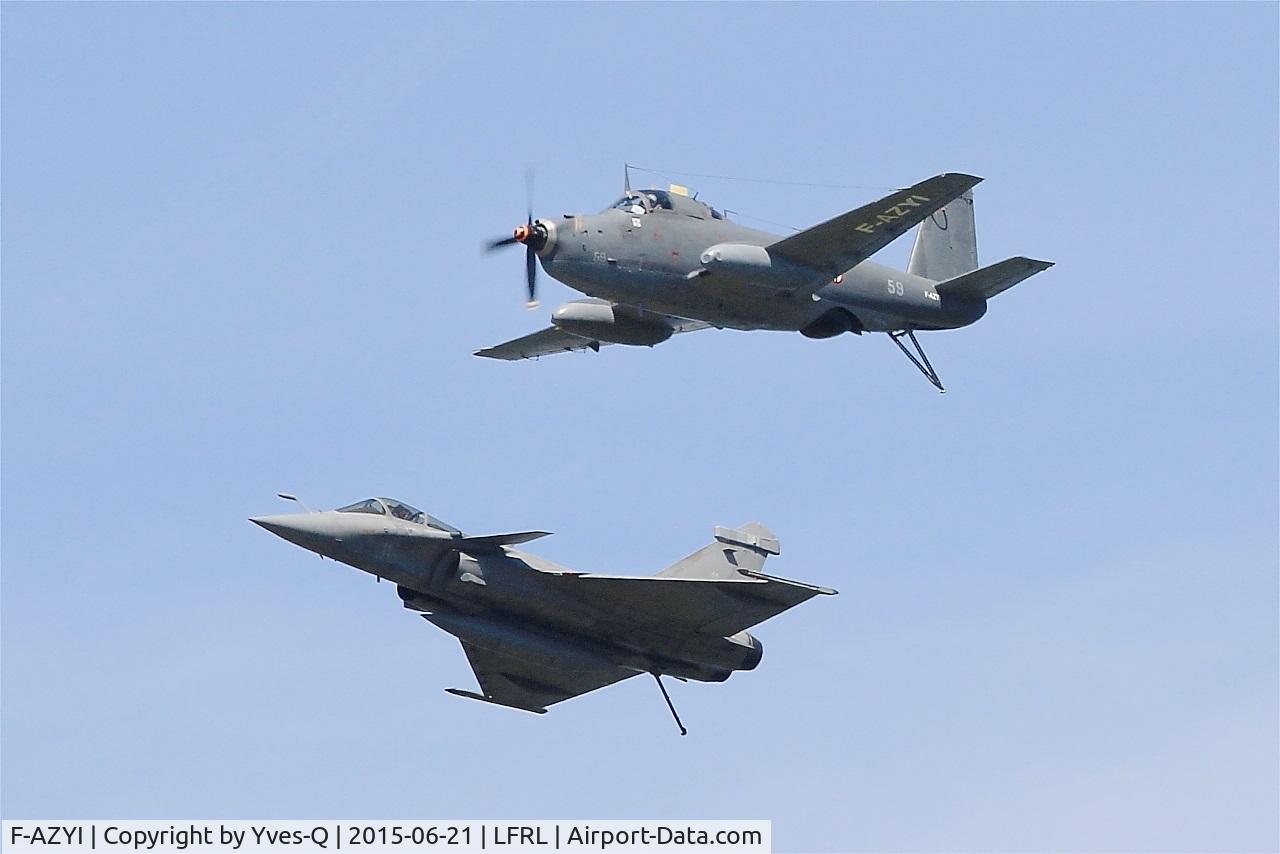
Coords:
pixel 743 549
pixel 946 243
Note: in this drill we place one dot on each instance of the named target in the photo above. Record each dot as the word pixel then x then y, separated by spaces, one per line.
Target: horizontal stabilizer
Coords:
pixel 986 282
pixel 496 541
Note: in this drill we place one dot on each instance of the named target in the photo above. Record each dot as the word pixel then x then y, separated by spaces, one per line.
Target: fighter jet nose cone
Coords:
pixel 317 532
pixel 287 527
pixel 267 522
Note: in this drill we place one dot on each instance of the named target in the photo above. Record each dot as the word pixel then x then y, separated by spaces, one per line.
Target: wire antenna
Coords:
pixel 666 173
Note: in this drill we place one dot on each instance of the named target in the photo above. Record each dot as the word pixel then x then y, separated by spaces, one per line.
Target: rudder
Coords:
pixel 946 243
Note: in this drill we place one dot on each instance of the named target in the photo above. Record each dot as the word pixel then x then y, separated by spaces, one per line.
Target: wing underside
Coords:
pixel 532 687
pixel 544 342
pixel 552 340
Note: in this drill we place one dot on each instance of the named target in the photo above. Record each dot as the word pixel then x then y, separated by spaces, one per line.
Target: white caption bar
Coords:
pixel 384 837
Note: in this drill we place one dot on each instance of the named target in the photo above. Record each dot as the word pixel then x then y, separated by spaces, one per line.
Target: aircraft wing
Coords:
pixel 841 243
pixel 532 687
pixel 546 342
pixel 679 606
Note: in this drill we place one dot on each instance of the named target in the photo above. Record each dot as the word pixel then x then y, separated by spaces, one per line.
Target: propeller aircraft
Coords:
pixel 536 633
pixel 659 262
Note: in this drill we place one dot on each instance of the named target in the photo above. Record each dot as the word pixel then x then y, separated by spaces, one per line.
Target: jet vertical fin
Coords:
pixel 734 551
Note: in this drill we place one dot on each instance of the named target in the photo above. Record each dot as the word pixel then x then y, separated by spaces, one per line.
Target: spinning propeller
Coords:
pixel 533 235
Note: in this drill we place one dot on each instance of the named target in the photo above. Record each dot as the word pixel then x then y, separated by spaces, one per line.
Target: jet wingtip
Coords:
pixel 472 695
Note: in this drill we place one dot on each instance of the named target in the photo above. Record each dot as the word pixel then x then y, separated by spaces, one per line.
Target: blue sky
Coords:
pixel 241 255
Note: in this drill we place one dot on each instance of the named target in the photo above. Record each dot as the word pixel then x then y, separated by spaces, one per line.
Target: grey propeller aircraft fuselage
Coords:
pixel 658 262
pixel 536 633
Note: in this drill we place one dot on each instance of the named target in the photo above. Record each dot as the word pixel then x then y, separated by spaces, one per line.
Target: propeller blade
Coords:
pixel 528 191
pixel 499 243
pixel 531 275
pixel 530 261
pixel 533 236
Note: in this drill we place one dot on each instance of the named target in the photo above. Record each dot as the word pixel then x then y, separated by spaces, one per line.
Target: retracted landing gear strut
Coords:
pixel 663 688
pixel 923 362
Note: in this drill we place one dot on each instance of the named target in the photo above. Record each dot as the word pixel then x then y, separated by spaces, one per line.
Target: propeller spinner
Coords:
pixel 533 235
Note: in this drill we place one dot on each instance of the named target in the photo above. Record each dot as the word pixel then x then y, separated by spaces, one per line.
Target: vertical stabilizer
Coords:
pixel 745 548
pixel 946 243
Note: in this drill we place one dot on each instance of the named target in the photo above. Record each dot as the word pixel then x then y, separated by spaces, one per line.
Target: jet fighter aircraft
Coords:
pixel 658 262
pixel 536 633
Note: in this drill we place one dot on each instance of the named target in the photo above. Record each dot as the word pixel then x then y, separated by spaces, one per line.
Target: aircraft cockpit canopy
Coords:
pixel 400 510
pixel 633 203
pixel 641 202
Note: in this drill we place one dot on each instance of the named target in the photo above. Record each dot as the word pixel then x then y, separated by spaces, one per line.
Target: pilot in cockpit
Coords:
pixel 635 204
pixel 404 511
pixel 641 202
pixel 400 510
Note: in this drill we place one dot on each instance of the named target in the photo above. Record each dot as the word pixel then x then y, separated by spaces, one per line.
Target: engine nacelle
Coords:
pixel 742 651
pixel 600 322
pixel 749 649
pixel 755 264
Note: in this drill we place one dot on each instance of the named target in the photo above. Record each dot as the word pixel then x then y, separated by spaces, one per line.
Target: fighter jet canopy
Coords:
pixel 400 510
